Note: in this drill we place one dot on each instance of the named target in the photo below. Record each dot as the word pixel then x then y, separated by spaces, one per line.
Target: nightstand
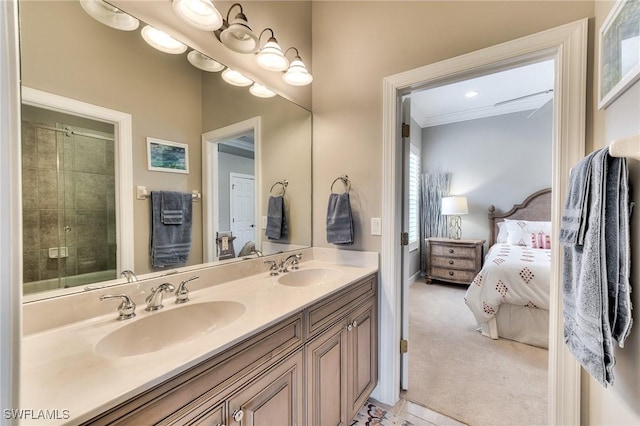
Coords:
pixel 455 261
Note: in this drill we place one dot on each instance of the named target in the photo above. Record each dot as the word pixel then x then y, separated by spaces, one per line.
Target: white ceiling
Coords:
pixel 500 93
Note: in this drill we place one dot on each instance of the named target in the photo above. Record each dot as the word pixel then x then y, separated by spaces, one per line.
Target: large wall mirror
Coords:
pixel 80 204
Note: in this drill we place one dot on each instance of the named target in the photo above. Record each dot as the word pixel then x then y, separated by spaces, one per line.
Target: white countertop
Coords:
pixel 60 370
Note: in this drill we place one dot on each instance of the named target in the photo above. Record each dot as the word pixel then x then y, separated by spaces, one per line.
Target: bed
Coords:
pixel 509 297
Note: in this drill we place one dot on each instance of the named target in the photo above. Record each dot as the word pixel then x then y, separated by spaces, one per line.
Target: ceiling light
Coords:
pixel 204 62
pixel 297 74
pixel 235 78
pixel 237 34
pixel 162 41
pixel 472 94
pixel 271 57
pixel 201 14
pixel 109 15
pixel 261 91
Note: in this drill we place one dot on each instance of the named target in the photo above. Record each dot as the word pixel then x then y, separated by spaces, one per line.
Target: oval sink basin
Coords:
pixel 160 330
pixel 308 277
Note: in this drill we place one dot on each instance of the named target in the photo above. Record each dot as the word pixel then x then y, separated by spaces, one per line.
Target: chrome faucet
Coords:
pixel 292 260
pixel 273 267
pixel 129 275
pixel 182 293
pixel 257 252
pixel 126 309
pixel 154 300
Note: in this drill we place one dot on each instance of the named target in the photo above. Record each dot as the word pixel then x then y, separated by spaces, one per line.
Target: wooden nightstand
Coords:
pixel 456 261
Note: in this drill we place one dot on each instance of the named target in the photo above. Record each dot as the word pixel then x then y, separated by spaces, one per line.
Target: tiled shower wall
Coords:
pixel 68 201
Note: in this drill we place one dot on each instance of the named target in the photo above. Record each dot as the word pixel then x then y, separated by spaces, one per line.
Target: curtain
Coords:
pixel 433 186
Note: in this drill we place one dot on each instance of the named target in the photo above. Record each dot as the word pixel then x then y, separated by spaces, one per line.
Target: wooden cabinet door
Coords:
pixel 362 356
pixel 273 399
pixel 327 378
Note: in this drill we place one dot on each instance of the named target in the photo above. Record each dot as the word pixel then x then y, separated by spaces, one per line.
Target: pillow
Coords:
pixel 501 238
pixel 540 241
pixel 519 231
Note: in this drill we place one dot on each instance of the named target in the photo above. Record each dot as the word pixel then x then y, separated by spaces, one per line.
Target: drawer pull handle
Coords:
pixel 237 415
pixel 451 273
pixel 451 262
pixel 451 250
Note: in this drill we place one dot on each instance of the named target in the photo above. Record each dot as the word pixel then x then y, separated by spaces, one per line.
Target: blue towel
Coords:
pixel 339 219
pixel 597 307
pixel 276 218
pixel 170 244
pixel 171 210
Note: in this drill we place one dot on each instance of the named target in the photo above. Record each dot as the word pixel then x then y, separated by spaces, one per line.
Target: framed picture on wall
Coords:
pixel 619 63
pixel 167 156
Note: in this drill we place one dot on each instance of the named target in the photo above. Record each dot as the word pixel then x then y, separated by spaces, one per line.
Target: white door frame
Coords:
pixel 567 45
pixel 210 202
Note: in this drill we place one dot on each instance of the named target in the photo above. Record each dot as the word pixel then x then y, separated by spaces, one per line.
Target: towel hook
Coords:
pixel 284 184
pixel 345 180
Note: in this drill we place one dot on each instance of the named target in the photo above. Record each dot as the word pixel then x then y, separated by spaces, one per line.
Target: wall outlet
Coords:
pixel 376 226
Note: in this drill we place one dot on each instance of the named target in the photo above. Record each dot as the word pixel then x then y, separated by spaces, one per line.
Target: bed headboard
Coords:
pixel 536 206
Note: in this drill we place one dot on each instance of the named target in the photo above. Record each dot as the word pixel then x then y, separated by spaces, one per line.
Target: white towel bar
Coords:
pixel 142 193
pixel 626 147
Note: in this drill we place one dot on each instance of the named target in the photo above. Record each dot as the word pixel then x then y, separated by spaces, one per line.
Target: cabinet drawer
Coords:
pixel 453 263
pixel 452 275
pixel 335 307
pixel 452 251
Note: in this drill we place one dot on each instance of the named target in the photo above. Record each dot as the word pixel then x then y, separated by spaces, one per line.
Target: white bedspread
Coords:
pixel 511 274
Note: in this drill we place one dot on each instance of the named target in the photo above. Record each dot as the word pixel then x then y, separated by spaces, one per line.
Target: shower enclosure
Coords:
pixel 69 220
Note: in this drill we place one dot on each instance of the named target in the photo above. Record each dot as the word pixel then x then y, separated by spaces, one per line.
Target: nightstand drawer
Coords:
pixel 453 251
pixel 453 263
pixel 453 275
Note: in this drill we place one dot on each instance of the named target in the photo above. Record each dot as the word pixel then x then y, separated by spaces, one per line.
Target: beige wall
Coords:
pixel 357 44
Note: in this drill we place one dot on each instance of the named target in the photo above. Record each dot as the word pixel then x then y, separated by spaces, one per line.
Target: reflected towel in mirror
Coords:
pixel 171 208
pixel 276 219
pixel 170 244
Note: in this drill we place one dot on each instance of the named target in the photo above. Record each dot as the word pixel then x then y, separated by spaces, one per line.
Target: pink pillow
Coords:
pixel 540 241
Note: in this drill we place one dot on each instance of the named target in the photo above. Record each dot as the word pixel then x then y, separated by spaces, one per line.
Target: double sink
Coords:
pixel 178 325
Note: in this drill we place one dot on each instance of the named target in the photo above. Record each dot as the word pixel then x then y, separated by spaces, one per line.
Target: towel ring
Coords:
pixel 345 180
pixel 284 184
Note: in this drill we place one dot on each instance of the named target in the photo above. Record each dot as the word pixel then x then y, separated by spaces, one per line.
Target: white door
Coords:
pixel 242 209
pixel 406 150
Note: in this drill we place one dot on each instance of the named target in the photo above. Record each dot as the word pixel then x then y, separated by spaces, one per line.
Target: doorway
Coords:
pixel 567 44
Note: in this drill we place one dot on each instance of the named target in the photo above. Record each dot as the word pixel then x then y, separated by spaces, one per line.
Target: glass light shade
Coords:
pixel 239 37
pixel 454 205
pixel 162 41
pixel 201 14
pixel 297 74
pixel 271 57
pixel 235 78
pixel 261 91
pixel 109 15
pixel 204 62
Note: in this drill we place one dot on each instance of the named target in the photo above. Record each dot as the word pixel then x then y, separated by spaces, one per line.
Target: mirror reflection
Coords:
pixel 79 196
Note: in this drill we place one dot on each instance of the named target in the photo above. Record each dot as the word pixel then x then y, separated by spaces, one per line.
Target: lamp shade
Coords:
pixel 204 62
pixel 238 35
pixel 271 57
pixel 200 14
pixel 109 15
pixel 297 74
pixel 454 205
pixel 162 41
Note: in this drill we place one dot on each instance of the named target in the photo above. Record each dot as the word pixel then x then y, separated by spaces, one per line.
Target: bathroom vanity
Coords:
pixel 302 351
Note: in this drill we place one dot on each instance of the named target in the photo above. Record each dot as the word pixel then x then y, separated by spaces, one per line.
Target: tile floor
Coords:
pixel 417 414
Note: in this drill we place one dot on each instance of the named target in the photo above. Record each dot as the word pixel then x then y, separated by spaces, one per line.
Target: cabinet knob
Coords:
pixel 237 415
pixel 450 262
pixel 451 250
pixel 350 327
pixel 451 273
pixel 354 323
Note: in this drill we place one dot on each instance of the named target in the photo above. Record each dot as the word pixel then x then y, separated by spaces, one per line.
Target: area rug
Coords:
pixel 456 371
pixel 372 415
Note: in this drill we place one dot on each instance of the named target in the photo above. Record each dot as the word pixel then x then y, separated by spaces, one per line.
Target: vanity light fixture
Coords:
pixel 297 74
pixel 271 57
pixel 200 14
pixel 205 63
pixel 109 15
pixel 234 78
pixel 261 91
pixel 472 94
pixel 237 34
pixel 162 41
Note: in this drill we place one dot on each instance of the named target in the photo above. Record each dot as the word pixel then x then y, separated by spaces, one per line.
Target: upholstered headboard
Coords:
pixel 536 206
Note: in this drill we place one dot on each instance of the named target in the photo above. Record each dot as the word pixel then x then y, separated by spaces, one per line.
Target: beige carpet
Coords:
pixel 456 371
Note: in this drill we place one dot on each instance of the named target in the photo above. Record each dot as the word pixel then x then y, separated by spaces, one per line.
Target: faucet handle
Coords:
pixel 273 267
pixel 296 260
pixel 182 293
pixel 126 309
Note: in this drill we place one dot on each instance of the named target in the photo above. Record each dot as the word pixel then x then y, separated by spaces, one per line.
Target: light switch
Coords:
pixel 376 226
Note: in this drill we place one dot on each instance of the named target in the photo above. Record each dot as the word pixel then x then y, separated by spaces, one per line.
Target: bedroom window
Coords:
pixel 414 197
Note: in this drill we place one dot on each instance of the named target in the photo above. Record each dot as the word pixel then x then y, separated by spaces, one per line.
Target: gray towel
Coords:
pixel 595 277
pixel 171 209
pixel 276 218
pixel 170 244
pixel 339 219
pixel 574 221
